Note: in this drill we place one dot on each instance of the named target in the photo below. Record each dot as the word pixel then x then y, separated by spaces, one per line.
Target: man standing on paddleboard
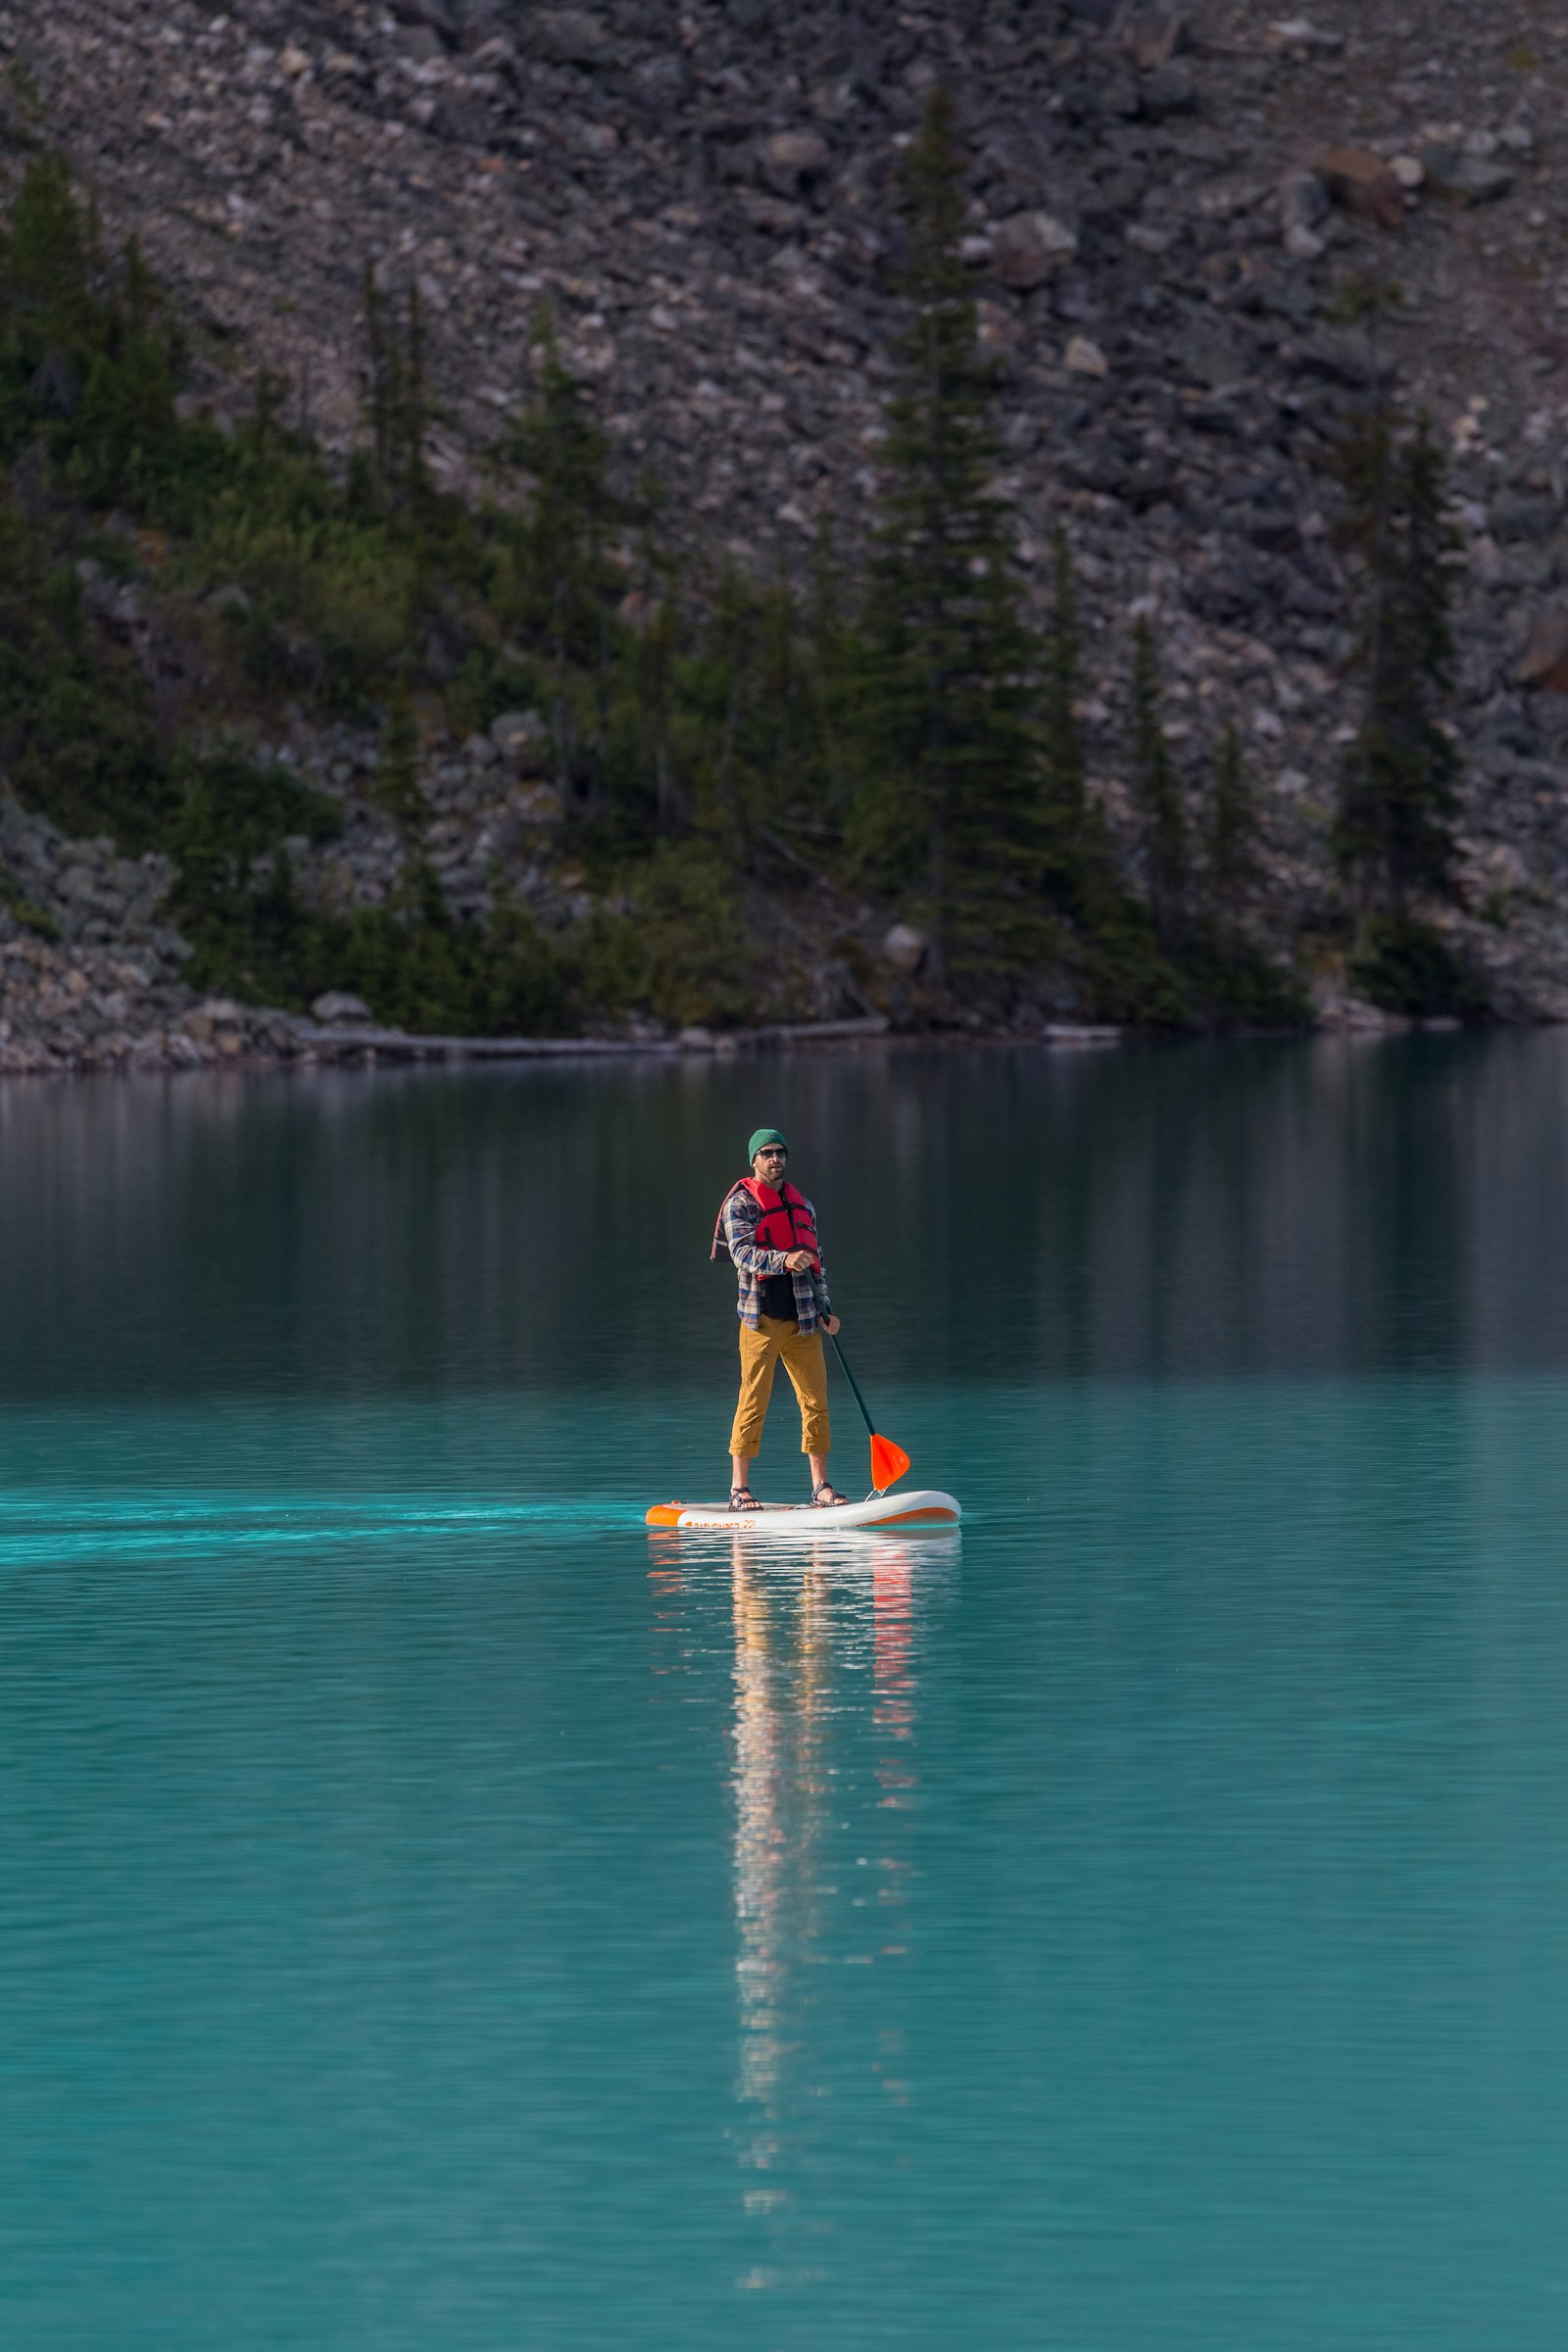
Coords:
pixel 768 1231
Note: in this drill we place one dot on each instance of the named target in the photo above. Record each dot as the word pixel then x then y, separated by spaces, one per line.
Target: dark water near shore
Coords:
pixel 440 1916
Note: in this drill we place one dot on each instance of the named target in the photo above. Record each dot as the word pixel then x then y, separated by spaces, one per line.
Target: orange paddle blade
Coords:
pixel 889 1462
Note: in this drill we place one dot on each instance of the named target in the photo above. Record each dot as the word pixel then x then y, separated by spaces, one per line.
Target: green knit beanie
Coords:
pixel 764 1135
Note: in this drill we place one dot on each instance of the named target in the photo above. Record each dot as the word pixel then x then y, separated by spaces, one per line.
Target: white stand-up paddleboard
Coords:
pixel 924 1508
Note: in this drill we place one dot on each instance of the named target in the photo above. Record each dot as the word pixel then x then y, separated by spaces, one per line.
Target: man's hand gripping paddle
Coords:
pixel 889 1462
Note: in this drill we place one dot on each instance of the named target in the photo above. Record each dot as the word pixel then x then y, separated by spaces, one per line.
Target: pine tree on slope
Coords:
pixel 565 587
pixel 1398 798
pixel 949 803
pixel 1231 861
pixel 1164 820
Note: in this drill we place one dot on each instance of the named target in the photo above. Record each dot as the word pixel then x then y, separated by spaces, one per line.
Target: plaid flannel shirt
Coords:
pixel 742 1216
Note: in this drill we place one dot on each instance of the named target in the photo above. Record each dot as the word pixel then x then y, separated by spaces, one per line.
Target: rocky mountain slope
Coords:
pixel 1172 214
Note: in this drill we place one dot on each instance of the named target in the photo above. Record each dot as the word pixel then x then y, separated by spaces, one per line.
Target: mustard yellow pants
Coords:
pixel 761 1354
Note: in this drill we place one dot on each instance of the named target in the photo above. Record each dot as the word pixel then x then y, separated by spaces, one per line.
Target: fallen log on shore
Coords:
pixel 334 1042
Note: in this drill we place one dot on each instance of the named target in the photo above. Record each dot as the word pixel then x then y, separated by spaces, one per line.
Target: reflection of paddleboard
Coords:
pixel 920 1509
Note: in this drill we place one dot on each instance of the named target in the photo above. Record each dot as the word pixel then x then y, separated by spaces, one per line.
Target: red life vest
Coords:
pixel 786 1222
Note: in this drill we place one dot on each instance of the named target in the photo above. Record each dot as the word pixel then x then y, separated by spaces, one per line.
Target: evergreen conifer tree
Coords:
pixel 566 587
pixel 1231 976
pixel 949 803
pixel 47 260
pixel 833 673
pixel 126 426
pixel 1399 800
pixel 1114 954
pixel 380 388
pixel 1080 862
pixel 656 634
pixel 771 775
pixel 729 652
pixel 397 772
pixel 1231 861
pixel 1065 762
pixel 1164 819
pixel 397 393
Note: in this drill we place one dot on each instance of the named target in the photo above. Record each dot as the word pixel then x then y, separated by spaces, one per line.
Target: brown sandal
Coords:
pixel 825 1496
pixel 741 1499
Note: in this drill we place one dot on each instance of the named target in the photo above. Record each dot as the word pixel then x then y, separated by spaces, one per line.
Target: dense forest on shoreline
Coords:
pixel 883 723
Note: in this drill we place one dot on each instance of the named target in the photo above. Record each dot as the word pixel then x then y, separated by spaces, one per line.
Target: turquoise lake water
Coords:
pixel 442 1916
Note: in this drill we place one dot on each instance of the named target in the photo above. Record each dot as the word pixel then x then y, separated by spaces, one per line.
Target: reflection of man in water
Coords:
pixel 787 1728
pixel 769 1230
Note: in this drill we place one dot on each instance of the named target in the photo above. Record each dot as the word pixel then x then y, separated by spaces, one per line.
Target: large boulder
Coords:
pixel 1169 91
pixel 794 161
pixel 1083 358
pixel 1363 183
pixel 1304 206
pixel 522 738
pixel 337 1009
pixel 1030 248
pixel 905 946
pixel 567 36
pixel 1464 178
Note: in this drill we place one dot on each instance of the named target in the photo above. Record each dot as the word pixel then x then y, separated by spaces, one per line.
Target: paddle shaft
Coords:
pixel 854 1386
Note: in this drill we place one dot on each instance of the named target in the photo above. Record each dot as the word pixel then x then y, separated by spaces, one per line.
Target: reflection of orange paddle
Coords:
pixel 889 1462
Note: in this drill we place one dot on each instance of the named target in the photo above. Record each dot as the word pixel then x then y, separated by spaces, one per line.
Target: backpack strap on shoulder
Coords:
pixel 720 1247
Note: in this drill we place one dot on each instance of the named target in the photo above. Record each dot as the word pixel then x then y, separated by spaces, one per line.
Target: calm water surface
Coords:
pixel 441 1917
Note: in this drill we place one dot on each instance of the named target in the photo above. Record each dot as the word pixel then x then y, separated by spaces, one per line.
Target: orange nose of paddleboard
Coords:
pixel 889 1462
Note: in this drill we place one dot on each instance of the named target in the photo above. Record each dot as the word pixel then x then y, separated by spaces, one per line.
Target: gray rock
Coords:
pixel 1464 178
pixel 1083 358
pixel 794 161
pixel 337 1009
pixel 439 15
pixel 1342 358
pixel 205 1022
pixel 1169 91
pixel 1304 206
pixel 536 805
pixel 1299 32
pixel 567 36
pixel 662 82
pixel 1030 248
pixel 1516 515
pixel 1347 1015
pixel 1212 360
pixel 904 946
pixel 1102 97
pixel 517 734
